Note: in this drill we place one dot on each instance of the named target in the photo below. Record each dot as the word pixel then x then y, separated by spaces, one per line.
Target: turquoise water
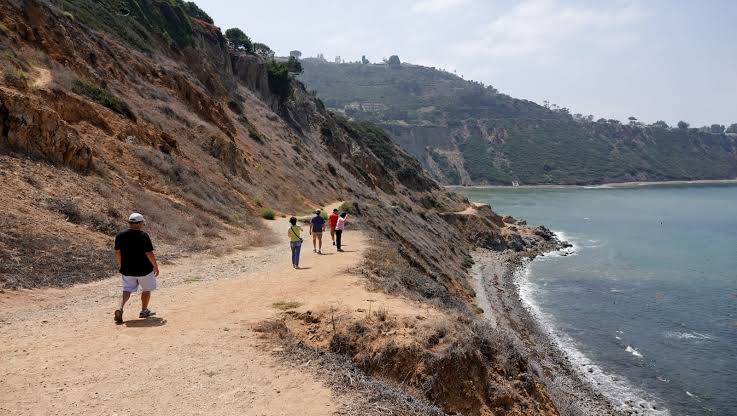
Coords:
pixel 649 297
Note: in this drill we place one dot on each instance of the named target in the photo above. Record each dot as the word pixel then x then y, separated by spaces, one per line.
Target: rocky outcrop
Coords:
pixel 252 72
pixel 30 127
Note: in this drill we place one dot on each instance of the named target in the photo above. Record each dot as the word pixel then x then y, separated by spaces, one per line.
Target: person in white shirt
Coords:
pixel 339 227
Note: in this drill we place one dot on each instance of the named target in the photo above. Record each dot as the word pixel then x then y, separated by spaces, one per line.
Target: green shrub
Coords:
pixel 279 81
pixel 194 11
pixel 238 40
pixel 349 207
pixel 267 213
pixel 103 97
pixel 255 135
pixel 139 23
pixel 67 208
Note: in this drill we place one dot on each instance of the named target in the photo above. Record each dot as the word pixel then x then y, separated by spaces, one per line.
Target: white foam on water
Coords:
pixel 633 351
pixel 697 336
pixel 617 389
pixel 570 251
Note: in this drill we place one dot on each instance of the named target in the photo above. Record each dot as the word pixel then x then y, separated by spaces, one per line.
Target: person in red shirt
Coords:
pixel 333 219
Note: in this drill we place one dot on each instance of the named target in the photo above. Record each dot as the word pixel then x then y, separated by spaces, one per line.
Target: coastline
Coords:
pixel 602 185
pixel 496 279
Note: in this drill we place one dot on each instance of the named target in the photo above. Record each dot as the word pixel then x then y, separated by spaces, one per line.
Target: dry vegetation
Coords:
pixel 191 156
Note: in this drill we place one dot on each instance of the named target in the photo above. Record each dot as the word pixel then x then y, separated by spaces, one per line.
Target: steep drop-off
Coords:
pixel 466 133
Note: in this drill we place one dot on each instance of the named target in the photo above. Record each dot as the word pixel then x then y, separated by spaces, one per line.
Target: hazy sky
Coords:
pixel 654 59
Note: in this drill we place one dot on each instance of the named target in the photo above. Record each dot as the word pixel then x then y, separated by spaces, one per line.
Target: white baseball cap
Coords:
pixel 135 218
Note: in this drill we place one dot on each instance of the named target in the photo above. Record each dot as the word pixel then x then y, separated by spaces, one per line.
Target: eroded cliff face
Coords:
pixel 194 134
pixel 195 137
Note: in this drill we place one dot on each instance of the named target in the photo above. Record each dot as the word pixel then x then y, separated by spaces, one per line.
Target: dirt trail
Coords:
pixel 62 354
pixel 472 209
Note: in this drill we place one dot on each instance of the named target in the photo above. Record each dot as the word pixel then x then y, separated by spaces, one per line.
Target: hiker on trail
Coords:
pixel 134 257
pixel 333 220
pixel 339 227
pixel 295 241
pixel 316 227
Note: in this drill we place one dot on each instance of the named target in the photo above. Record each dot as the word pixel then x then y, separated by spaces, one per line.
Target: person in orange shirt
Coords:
pixel 333 219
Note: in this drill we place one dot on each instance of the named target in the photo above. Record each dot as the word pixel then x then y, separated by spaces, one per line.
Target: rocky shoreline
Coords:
pixel 494 276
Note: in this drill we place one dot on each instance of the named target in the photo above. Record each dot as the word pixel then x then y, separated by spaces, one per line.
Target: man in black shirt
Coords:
pixel 134 256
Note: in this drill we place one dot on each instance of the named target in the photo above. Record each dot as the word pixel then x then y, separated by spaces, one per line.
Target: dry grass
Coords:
pixel 286 305
pixel 362 394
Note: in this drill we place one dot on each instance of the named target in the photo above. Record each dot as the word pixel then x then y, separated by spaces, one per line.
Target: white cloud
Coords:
pixel 536 26
pixel 437 6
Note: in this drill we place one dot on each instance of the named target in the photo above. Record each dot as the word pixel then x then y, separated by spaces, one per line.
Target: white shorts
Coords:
pixel 147 282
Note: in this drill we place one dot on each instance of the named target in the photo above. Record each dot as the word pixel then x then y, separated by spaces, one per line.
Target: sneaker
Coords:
pixel 333 242
pixel 119 316
pixel 314 250
pixel 319 251
pixel 146 313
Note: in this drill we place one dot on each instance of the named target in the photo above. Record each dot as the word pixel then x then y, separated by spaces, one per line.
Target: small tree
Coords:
pixel 717 128
pixel 683 125
pixel 263 50
pixel 295 53
pixel 364 61
pixel 394 61
pixel 238 40
pixel 732 128
pixel 661 124
pixel 294 66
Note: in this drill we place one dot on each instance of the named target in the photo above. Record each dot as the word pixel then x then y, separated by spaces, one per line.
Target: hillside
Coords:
pixel 141 105
pixel 466 133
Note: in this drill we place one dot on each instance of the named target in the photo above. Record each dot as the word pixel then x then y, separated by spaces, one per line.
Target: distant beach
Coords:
pixel 604 185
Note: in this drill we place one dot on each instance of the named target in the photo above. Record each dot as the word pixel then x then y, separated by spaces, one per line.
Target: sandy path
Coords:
pixel 62 354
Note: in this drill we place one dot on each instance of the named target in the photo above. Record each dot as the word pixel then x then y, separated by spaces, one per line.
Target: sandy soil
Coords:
pixel 62 353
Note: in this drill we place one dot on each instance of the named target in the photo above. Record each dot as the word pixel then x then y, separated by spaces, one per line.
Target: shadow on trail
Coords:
pixel 145 323
pixel 304 268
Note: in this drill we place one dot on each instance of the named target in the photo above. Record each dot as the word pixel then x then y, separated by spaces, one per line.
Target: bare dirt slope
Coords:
pixel 62 354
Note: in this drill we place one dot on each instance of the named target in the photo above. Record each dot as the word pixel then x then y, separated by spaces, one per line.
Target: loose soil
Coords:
pixel 62 353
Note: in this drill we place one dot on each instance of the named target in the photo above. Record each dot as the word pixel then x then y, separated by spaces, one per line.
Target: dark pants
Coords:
pixel 338 234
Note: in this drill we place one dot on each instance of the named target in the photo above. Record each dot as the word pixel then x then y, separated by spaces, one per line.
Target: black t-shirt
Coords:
pixel 133 246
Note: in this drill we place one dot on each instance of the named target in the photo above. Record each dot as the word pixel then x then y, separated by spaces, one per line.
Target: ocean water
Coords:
pixel 646 301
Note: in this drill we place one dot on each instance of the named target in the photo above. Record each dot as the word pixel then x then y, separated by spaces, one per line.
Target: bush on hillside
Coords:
pixel 294 66
pixel 267 213
pixel 263 50
pixel 350 207
pixel 194 11
pixel 139 24
pixel 238 40
pixel 279 81
pixel 102 97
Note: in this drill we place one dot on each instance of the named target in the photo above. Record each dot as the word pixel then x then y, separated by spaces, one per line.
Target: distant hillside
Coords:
pixel 466 133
